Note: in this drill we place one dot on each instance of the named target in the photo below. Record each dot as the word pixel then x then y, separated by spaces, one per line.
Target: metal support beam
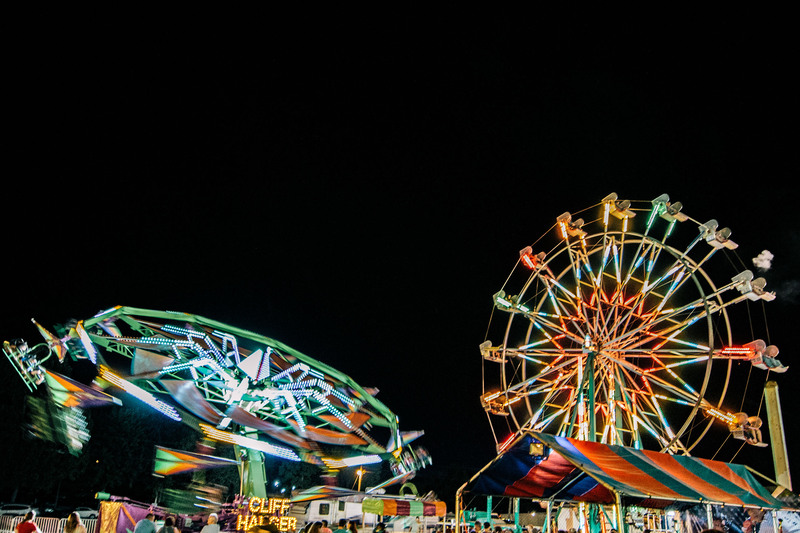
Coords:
pixel 548 527
pixel 777 437
pixel 619 509
pixel 253 477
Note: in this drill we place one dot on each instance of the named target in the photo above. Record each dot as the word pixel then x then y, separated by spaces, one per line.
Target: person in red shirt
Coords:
pixel 28 525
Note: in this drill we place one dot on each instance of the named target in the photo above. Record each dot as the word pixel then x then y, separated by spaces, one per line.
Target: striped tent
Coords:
pixel 571 470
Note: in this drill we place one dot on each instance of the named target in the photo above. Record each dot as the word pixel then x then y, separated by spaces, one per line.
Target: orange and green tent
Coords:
pixel 582 471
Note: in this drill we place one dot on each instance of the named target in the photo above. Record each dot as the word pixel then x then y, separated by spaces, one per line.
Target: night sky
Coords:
pixel 360 193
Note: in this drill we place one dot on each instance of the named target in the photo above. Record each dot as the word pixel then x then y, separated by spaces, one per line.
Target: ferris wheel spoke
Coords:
pixel 676 277
pixel 540 356
pixel 546 326
pixel 563 363
pixel 539 319
pixel 641 251
pixel 633 396
pixel 638 299
pixel 548 404
pixel 630 392
pixel 650 320
pixel 613 395
pixel 645 423
pixel 667 429
pixel 668 336
pixel 648 412
pixel 622 320
pixel 668 369
pixel 639 260
pixel 714 298
pixel 679 325
pixel 607 248
pixel 575 268
pixel 687 394
pixel 554 288
pixel 582 262
pixel 549 419
pixel 625 393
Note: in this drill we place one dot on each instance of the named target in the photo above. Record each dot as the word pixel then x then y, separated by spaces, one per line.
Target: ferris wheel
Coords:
pixel 616 329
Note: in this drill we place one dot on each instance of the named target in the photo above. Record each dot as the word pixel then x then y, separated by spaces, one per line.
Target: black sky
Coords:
pixel 360 192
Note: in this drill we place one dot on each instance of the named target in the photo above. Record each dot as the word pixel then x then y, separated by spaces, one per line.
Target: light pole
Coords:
pixel 360 474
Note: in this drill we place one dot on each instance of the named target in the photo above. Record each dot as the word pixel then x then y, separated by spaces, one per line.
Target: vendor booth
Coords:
pixel 403 507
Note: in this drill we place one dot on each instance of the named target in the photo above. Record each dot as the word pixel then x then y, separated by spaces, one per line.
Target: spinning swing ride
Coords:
pixel 620 332
pixel 232 385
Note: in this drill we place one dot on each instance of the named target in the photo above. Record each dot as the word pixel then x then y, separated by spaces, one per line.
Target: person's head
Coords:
pixel 212 518
pixel 486 525
pixel 151 517
pixel 73 520
pixel 265 528
pixel 315 527
pixel 324 523
pixel 30 515
pixel 169 522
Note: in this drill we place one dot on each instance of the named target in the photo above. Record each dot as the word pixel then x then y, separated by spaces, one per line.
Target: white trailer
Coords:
pixel 335 510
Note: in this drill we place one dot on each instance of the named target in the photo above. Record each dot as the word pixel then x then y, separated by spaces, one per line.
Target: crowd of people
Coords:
pixel 345 526
pixel 74 524
pixel 486 527
pixel 352 526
